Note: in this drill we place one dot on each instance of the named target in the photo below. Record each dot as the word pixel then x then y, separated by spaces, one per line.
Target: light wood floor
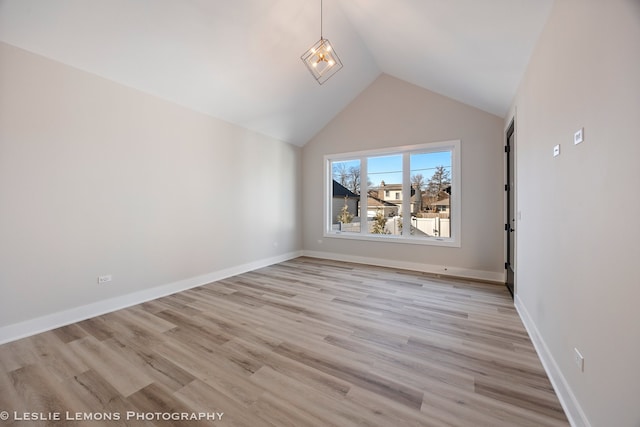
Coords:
pixel 303 343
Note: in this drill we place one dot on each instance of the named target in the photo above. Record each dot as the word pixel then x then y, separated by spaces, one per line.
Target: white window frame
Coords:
pixel 406 151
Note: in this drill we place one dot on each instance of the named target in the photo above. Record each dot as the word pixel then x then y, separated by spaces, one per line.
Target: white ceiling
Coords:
pixel 239 60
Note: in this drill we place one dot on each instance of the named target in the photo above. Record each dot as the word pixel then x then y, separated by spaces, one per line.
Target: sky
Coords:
pixel 389 168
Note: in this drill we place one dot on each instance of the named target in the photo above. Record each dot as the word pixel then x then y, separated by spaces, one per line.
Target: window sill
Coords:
pixel 427 241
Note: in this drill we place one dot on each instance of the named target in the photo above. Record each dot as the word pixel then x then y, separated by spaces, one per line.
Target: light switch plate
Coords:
pixel 578 136
pixel 556 150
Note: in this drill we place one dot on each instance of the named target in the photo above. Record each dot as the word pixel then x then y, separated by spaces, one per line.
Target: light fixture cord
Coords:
pixel 321 20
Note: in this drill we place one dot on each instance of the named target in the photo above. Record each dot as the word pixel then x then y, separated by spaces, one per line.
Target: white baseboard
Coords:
pixel 490 276
pixel 573 410
pixel 55 320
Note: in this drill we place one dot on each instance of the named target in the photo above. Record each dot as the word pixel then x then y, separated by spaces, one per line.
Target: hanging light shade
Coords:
pixel 321 59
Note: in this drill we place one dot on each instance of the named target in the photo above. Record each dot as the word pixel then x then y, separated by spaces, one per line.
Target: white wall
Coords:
pixel 578 286
pixel 392 112
pixel 97 178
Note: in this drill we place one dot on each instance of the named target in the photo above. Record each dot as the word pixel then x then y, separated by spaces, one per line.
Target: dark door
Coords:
pixel 509 227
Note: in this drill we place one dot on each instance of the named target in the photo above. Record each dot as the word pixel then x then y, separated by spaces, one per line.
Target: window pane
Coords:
pixel 431 186
pixel 384 200
pixel 345 200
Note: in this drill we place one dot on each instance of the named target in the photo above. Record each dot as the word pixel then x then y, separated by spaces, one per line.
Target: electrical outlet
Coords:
pixel 579 359
pixel 556 150
pixel 104 279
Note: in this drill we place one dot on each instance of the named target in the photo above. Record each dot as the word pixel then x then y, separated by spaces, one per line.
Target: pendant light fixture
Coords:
pixel 321 59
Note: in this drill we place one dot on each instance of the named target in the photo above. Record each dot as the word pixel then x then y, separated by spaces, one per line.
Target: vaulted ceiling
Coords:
pixel 239 60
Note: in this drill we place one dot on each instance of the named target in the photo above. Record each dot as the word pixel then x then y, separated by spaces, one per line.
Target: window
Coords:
pixel 425 180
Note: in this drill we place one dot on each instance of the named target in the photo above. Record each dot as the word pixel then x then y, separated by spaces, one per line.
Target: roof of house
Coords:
pixel 375 202
pixel 390 187
pixel 340 190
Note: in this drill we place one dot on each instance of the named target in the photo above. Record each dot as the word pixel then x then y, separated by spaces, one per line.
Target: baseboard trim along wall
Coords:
pixel 487 276
pixel 55 320
pixel 573 410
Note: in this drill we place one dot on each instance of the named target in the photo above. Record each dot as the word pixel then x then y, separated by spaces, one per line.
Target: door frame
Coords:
pixel 510 207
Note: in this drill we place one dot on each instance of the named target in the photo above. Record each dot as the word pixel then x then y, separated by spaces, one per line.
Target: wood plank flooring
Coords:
pixel 306 342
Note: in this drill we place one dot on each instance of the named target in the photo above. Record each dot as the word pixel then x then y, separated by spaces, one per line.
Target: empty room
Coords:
pixel 319 212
